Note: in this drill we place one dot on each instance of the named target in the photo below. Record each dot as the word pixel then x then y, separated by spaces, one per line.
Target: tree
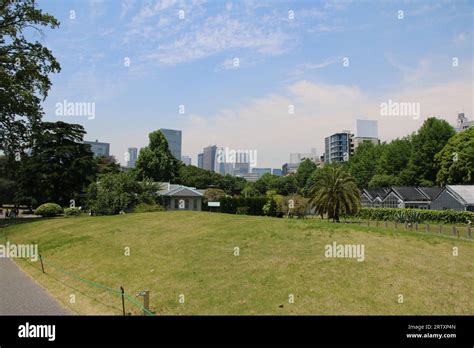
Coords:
pixel 456 160
pixel 60 166
pixel 265 182
pixel 285 185
pixel 335 192
pixel 213 194
pixel 305 169
pixel 113 193
pixel 24 73
pixel 250 190
pixel 106 165
pixel 430 139
pixel 363 164
pixel 383 180
pixel 155 161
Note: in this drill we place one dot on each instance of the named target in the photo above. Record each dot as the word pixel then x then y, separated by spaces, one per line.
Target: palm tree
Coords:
pixel 334 192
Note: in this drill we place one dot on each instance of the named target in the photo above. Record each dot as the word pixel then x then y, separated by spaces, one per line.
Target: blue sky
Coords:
pixel 189 61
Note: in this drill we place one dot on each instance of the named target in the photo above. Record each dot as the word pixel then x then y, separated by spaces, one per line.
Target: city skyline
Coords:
pixel 264 78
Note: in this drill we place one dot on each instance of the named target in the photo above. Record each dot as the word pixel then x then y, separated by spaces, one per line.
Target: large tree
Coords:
pixel 430 139
pixel 363 164
pixel 155 161
pixel 60 166
pixel 456 160
pixel 24 73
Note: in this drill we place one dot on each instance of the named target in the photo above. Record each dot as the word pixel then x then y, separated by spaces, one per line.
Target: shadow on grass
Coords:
pixel 17 221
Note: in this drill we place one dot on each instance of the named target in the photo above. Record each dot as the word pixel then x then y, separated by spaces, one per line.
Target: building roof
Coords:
pixel 464 193
pixel 179 190
pixel 431 192
pixel 410 194
pixel 380 192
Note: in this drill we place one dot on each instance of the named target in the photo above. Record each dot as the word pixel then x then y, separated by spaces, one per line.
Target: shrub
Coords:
pixel 416 215
pixel 242 210
pixel 72 212
pixel 49 210
pixel 254 204
pixel 147 208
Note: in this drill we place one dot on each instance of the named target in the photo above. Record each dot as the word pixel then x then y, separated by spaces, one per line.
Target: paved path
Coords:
pixel 21 295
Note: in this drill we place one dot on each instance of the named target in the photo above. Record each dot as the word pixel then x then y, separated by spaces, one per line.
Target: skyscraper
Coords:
pixel 367 129
pixel 132 157
pixel 174 141
pixel 200 160
pixel 209 158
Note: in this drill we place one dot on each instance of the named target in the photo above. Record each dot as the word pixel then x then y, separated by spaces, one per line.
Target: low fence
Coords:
pixel 450 230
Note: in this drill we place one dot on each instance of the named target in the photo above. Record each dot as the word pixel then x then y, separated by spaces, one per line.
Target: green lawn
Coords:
pixel 192 253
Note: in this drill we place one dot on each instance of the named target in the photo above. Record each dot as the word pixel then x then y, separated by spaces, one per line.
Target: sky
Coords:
pixel 274 77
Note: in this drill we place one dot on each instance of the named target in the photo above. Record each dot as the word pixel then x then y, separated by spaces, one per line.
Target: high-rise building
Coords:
pixel 367 129
pixel 174 141
pixel 186 160
pixel 242 164
pixel 262 171
pixel 463 123
pixel 200 160
pixel 132 157
pixel 99 149
pixel 209 158
pixel 338 147
pixel 289 168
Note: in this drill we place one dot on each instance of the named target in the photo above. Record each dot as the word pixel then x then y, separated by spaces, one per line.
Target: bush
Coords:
pixel 49 210
pixel 416 215
pixel 255 205
pixel 72 212
pixel 147 208
pixel 242 210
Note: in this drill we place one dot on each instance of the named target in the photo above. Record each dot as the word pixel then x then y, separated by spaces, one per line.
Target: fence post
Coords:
pixel 41 259
pixel 368 223
pixel 377 223
pixel 427 228
pixel 386 224
pixel 406 226
pixel 146 301
pixel 123 299
pixel 469 231
pixel 454 230
pixel 440 228
pixel 395 223
pixel 416 226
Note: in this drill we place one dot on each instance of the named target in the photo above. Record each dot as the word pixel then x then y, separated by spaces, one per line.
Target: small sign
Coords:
pixel 213 204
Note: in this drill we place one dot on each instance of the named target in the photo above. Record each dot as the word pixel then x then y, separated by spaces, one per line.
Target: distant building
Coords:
pixel 251 177
pixel 455 197
pixel 300 156
pixel 289 168
pixel 367 129
pixel 98 148
pixel 242 166
pixel 338 147
pixel 276 171
pixel 359 140
pixel 186 160
pixel 200 160
pixel 174 141
pixel 463 123
pixel 178 197
pixel 261 171
pixel 209 158
pixel 132 157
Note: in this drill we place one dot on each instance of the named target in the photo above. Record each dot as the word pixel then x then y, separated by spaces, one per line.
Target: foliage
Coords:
pixel 155 161
pixel 213 194
pixel 363 165
pixel 296 205
pixel 231 204
pixel 24 73
pixel 384 180
pixel 439 216
pixel 407 216
pixel 147 208
pixel 202 179
pixel 49 210
pixel 72 212
pixel 8 190
pixel 305 169
pixel 106 165
pixel 113 193
pixel 60 166
pixel 335 192
pixel 456 160
pixel 250 190
pixel 242 210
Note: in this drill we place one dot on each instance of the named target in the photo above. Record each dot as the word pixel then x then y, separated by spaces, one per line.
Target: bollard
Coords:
pixel 146 301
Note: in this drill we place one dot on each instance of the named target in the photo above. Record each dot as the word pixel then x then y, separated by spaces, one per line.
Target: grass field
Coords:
pixel 192 254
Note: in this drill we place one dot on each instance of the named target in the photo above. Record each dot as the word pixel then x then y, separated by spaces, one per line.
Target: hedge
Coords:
pixel 393 214
pixel 255 205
